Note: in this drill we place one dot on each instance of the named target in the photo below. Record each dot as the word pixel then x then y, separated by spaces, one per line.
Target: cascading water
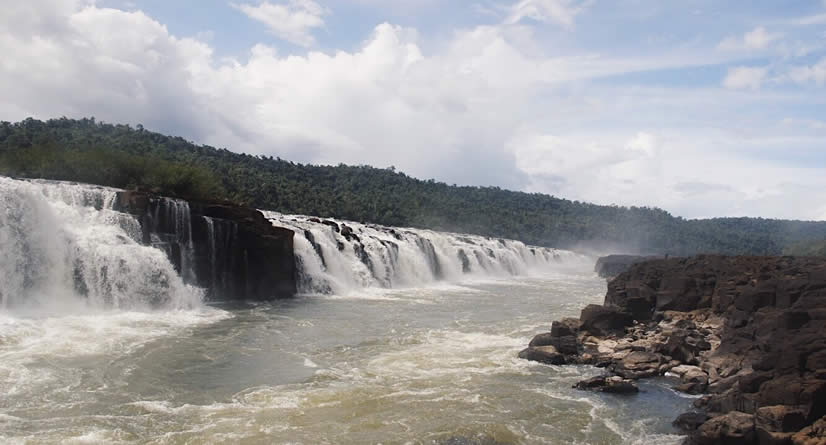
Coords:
pixel 63 244
pixel 339 256
pixel 172 232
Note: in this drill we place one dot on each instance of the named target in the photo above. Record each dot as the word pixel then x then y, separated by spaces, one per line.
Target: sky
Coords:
pixel 702 108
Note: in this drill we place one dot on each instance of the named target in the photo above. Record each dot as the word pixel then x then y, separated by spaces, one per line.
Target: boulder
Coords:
pixel 734 428
pixel 775 425
pixel 639 364
pixel 608 384
pixel 690 421
pixel 543 354
pixel 814 434
pixel 693 380
pixel 544 339
pixel 565 327
pixel 567 344
pixel 603 321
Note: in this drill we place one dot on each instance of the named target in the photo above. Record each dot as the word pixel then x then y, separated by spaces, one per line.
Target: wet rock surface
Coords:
pixel 748 333
pixel 612 265
pixel 232 251
pixel 608 383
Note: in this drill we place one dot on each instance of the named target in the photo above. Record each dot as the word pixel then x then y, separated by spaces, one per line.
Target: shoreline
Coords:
pixel 744 333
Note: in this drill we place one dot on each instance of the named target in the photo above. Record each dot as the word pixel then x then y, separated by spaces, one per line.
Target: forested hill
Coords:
pixel 122 156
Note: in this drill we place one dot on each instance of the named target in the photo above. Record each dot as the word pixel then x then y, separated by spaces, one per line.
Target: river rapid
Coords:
pixel 359 364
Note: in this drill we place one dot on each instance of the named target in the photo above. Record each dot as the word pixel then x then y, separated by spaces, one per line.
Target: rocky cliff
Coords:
pixel 747 332
pixel 612 265
pixel 231 251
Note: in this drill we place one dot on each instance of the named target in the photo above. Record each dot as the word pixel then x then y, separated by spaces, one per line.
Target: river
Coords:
pixel 433 363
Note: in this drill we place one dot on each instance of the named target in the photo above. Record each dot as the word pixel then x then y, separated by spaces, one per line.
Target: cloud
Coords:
pixel 756 39
pixel 806 74
pixel 479 107
pixel 293 21
pixel 560 12
pixel 745 77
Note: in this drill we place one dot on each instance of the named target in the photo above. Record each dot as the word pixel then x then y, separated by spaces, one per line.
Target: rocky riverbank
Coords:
pixel 748 333
pixel 612 265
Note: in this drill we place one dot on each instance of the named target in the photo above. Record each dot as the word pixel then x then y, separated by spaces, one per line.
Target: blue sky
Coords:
pixel 703 108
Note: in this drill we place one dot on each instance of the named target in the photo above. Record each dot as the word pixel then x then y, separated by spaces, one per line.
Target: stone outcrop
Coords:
pixel 749 333
pixel 607 383
pixel 233 252
pixel 612 265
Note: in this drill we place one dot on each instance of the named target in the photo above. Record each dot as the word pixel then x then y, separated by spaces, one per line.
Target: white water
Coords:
pixel 330 261
pixel 387 355
pixel 64 248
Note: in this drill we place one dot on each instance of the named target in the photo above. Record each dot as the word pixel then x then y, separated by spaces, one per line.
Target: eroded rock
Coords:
pixel 609 384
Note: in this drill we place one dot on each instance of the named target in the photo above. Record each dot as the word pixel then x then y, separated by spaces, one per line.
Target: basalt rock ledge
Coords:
pixel 747 333
pixel 231 251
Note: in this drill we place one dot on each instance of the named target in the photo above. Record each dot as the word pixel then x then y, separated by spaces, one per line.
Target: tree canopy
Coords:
pixel 121 156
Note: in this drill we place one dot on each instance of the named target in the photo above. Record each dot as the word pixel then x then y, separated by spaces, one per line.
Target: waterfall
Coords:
pixel 220 237
pixel 339 256
pixel 65 247
pixel 170 229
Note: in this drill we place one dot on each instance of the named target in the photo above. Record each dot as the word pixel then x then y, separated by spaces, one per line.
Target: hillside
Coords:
pixel 121 156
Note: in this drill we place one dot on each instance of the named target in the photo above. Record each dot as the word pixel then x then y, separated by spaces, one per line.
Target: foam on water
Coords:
pixel 65 249
pixel 27 342
pixel 406 336
pixel 340 257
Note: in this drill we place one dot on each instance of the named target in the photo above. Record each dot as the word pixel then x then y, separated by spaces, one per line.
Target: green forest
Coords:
pixel 121 156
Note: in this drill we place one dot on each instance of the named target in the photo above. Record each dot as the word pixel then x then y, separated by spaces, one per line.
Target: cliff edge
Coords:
pixel 232 251
pixel 749 333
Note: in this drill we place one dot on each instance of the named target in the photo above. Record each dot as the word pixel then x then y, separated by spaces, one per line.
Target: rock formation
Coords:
pixel 231 251
pixel 612 265
pixel 747 332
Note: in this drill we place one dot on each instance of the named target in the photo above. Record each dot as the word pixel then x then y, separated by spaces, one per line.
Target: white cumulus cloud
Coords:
pixel 293 21
pixel 479 107
pixel 758 38
pixel 561 12
pixel 805 74
pixel 745 77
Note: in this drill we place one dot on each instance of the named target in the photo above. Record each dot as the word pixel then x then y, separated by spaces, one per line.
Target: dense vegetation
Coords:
pixel 121 156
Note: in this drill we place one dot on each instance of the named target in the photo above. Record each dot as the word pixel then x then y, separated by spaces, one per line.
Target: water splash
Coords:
pixel 339 256
pixel 65 248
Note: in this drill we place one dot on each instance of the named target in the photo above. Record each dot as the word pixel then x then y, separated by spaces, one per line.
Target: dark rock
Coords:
pixel 734 428
pixel 545 339
pixel 463 258
pixel 612 265
pixel 332 224
pixel 609 384
pixel 750 331
pixel 602 321
pixel 566 344
pixel 565 327
pixel 543 354
pixel 233 252
pixel 348 234
pixel 690 421
pixel 639 364
pixel 750 383
pixel 814 434
pixel 679 348
pixel 780 418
